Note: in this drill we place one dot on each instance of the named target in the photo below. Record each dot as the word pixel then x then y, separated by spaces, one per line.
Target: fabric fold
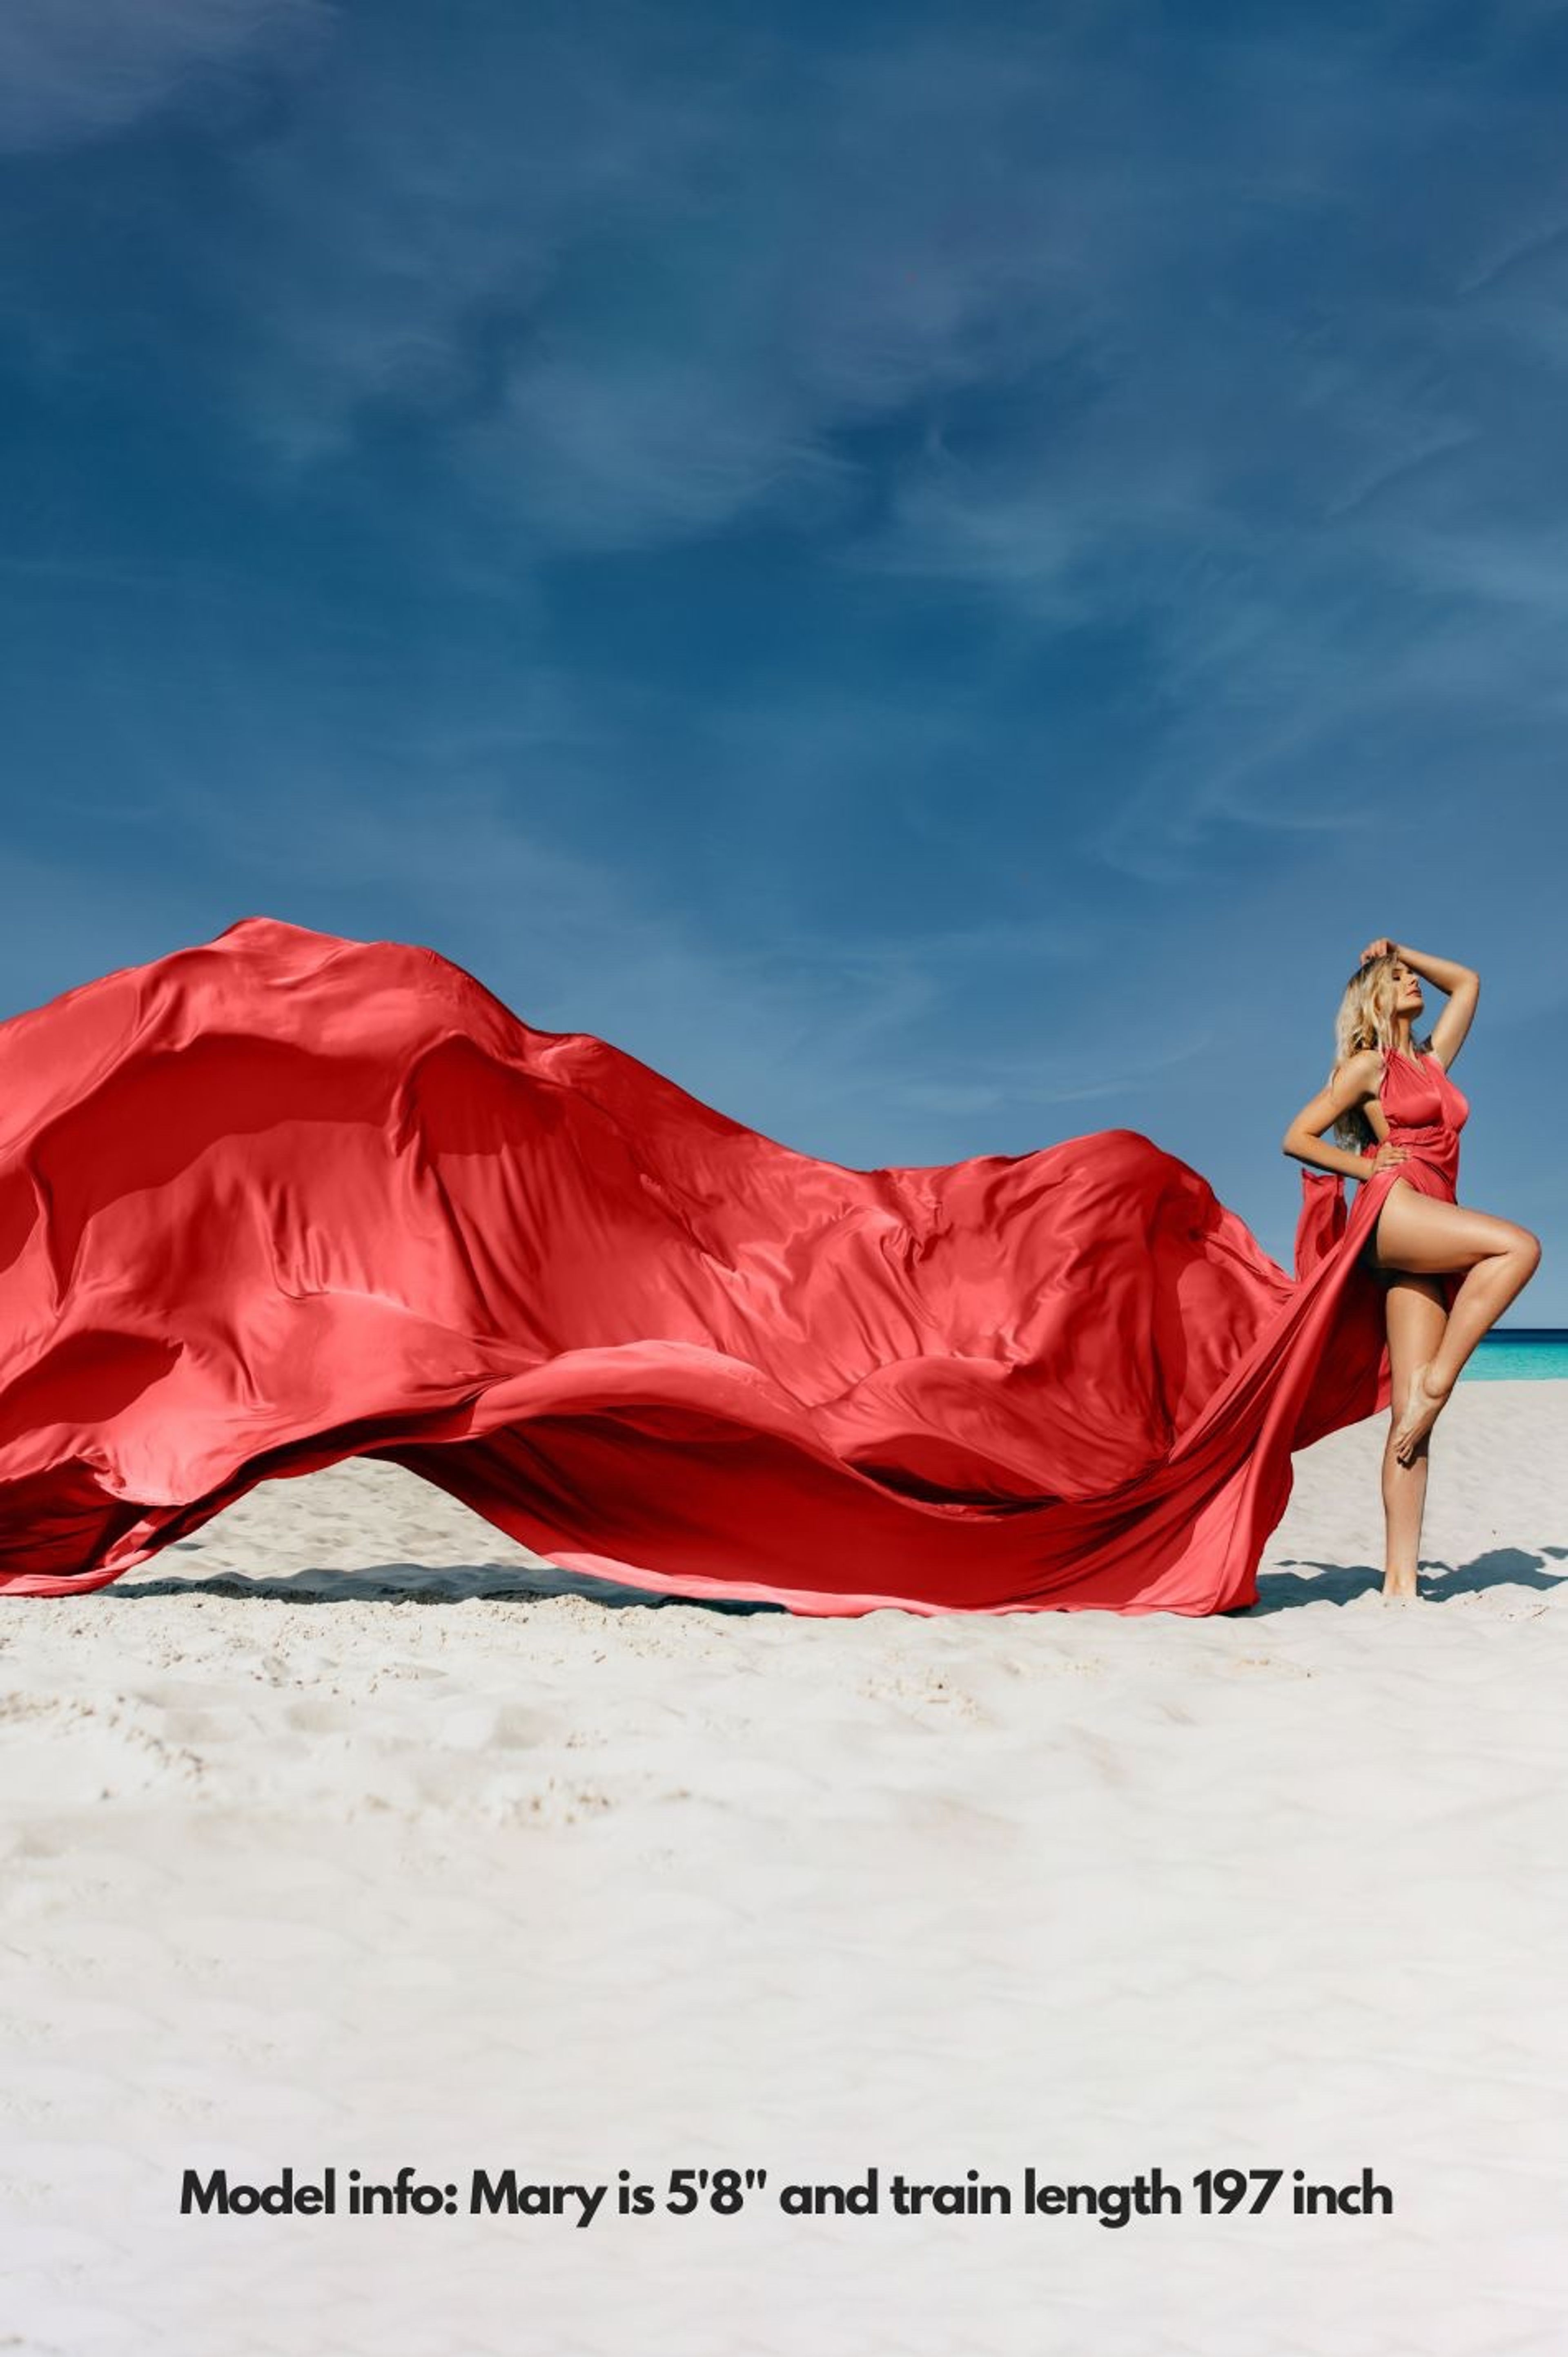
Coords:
pixel 284 1199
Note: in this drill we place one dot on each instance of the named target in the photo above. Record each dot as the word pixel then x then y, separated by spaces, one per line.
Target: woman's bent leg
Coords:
pixel 1419 1236
pixel 1415 1321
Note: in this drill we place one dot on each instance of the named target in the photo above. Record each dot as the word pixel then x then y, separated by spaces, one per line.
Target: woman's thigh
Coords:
pixel 1417 1315
pixel 1420 1235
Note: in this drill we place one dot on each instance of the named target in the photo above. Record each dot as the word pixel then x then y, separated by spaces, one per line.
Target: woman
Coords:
pixel 1396 1107
pixel 283 1199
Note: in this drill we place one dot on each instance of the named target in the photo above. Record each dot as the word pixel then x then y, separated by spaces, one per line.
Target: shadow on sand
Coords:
pixel 1305 1582
pixel 1338 1583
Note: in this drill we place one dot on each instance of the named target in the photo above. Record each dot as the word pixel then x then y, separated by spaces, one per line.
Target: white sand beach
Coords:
pixel 349 1833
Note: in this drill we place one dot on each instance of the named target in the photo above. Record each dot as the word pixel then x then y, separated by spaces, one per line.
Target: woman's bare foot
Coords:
pixel 1399 1588
pixel 1422 1411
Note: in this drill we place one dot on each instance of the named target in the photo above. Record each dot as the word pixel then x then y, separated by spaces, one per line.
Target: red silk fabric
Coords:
pixel 284 1199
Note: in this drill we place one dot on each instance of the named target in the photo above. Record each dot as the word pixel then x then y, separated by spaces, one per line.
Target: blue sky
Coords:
pixel 933 572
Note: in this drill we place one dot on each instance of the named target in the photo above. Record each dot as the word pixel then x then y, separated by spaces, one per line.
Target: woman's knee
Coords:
pixel 1519 1244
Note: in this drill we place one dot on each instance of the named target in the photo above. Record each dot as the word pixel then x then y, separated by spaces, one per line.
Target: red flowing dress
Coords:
pixel 284 1199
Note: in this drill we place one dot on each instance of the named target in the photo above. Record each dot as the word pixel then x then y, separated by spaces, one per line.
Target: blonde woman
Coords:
pixel 1448 1272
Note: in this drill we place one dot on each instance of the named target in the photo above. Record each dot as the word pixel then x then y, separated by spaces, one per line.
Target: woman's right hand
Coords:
pixel 1389 1157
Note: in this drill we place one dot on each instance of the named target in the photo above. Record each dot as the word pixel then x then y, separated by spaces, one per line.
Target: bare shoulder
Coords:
pixel 1360 1074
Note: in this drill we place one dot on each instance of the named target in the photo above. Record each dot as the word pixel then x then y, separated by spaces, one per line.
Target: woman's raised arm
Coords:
pixel 1460 985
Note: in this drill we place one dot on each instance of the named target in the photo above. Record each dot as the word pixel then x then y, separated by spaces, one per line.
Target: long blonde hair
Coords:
pixel 1366 1019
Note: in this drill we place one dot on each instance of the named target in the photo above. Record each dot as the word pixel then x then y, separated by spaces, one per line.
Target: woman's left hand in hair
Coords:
pixel 1381 947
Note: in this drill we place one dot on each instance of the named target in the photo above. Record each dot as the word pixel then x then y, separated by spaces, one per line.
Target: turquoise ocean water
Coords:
pixel 1535 1353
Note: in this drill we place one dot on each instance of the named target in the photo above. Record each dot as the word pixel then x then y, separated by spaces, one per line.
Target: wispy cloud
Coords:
pixel 76 71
